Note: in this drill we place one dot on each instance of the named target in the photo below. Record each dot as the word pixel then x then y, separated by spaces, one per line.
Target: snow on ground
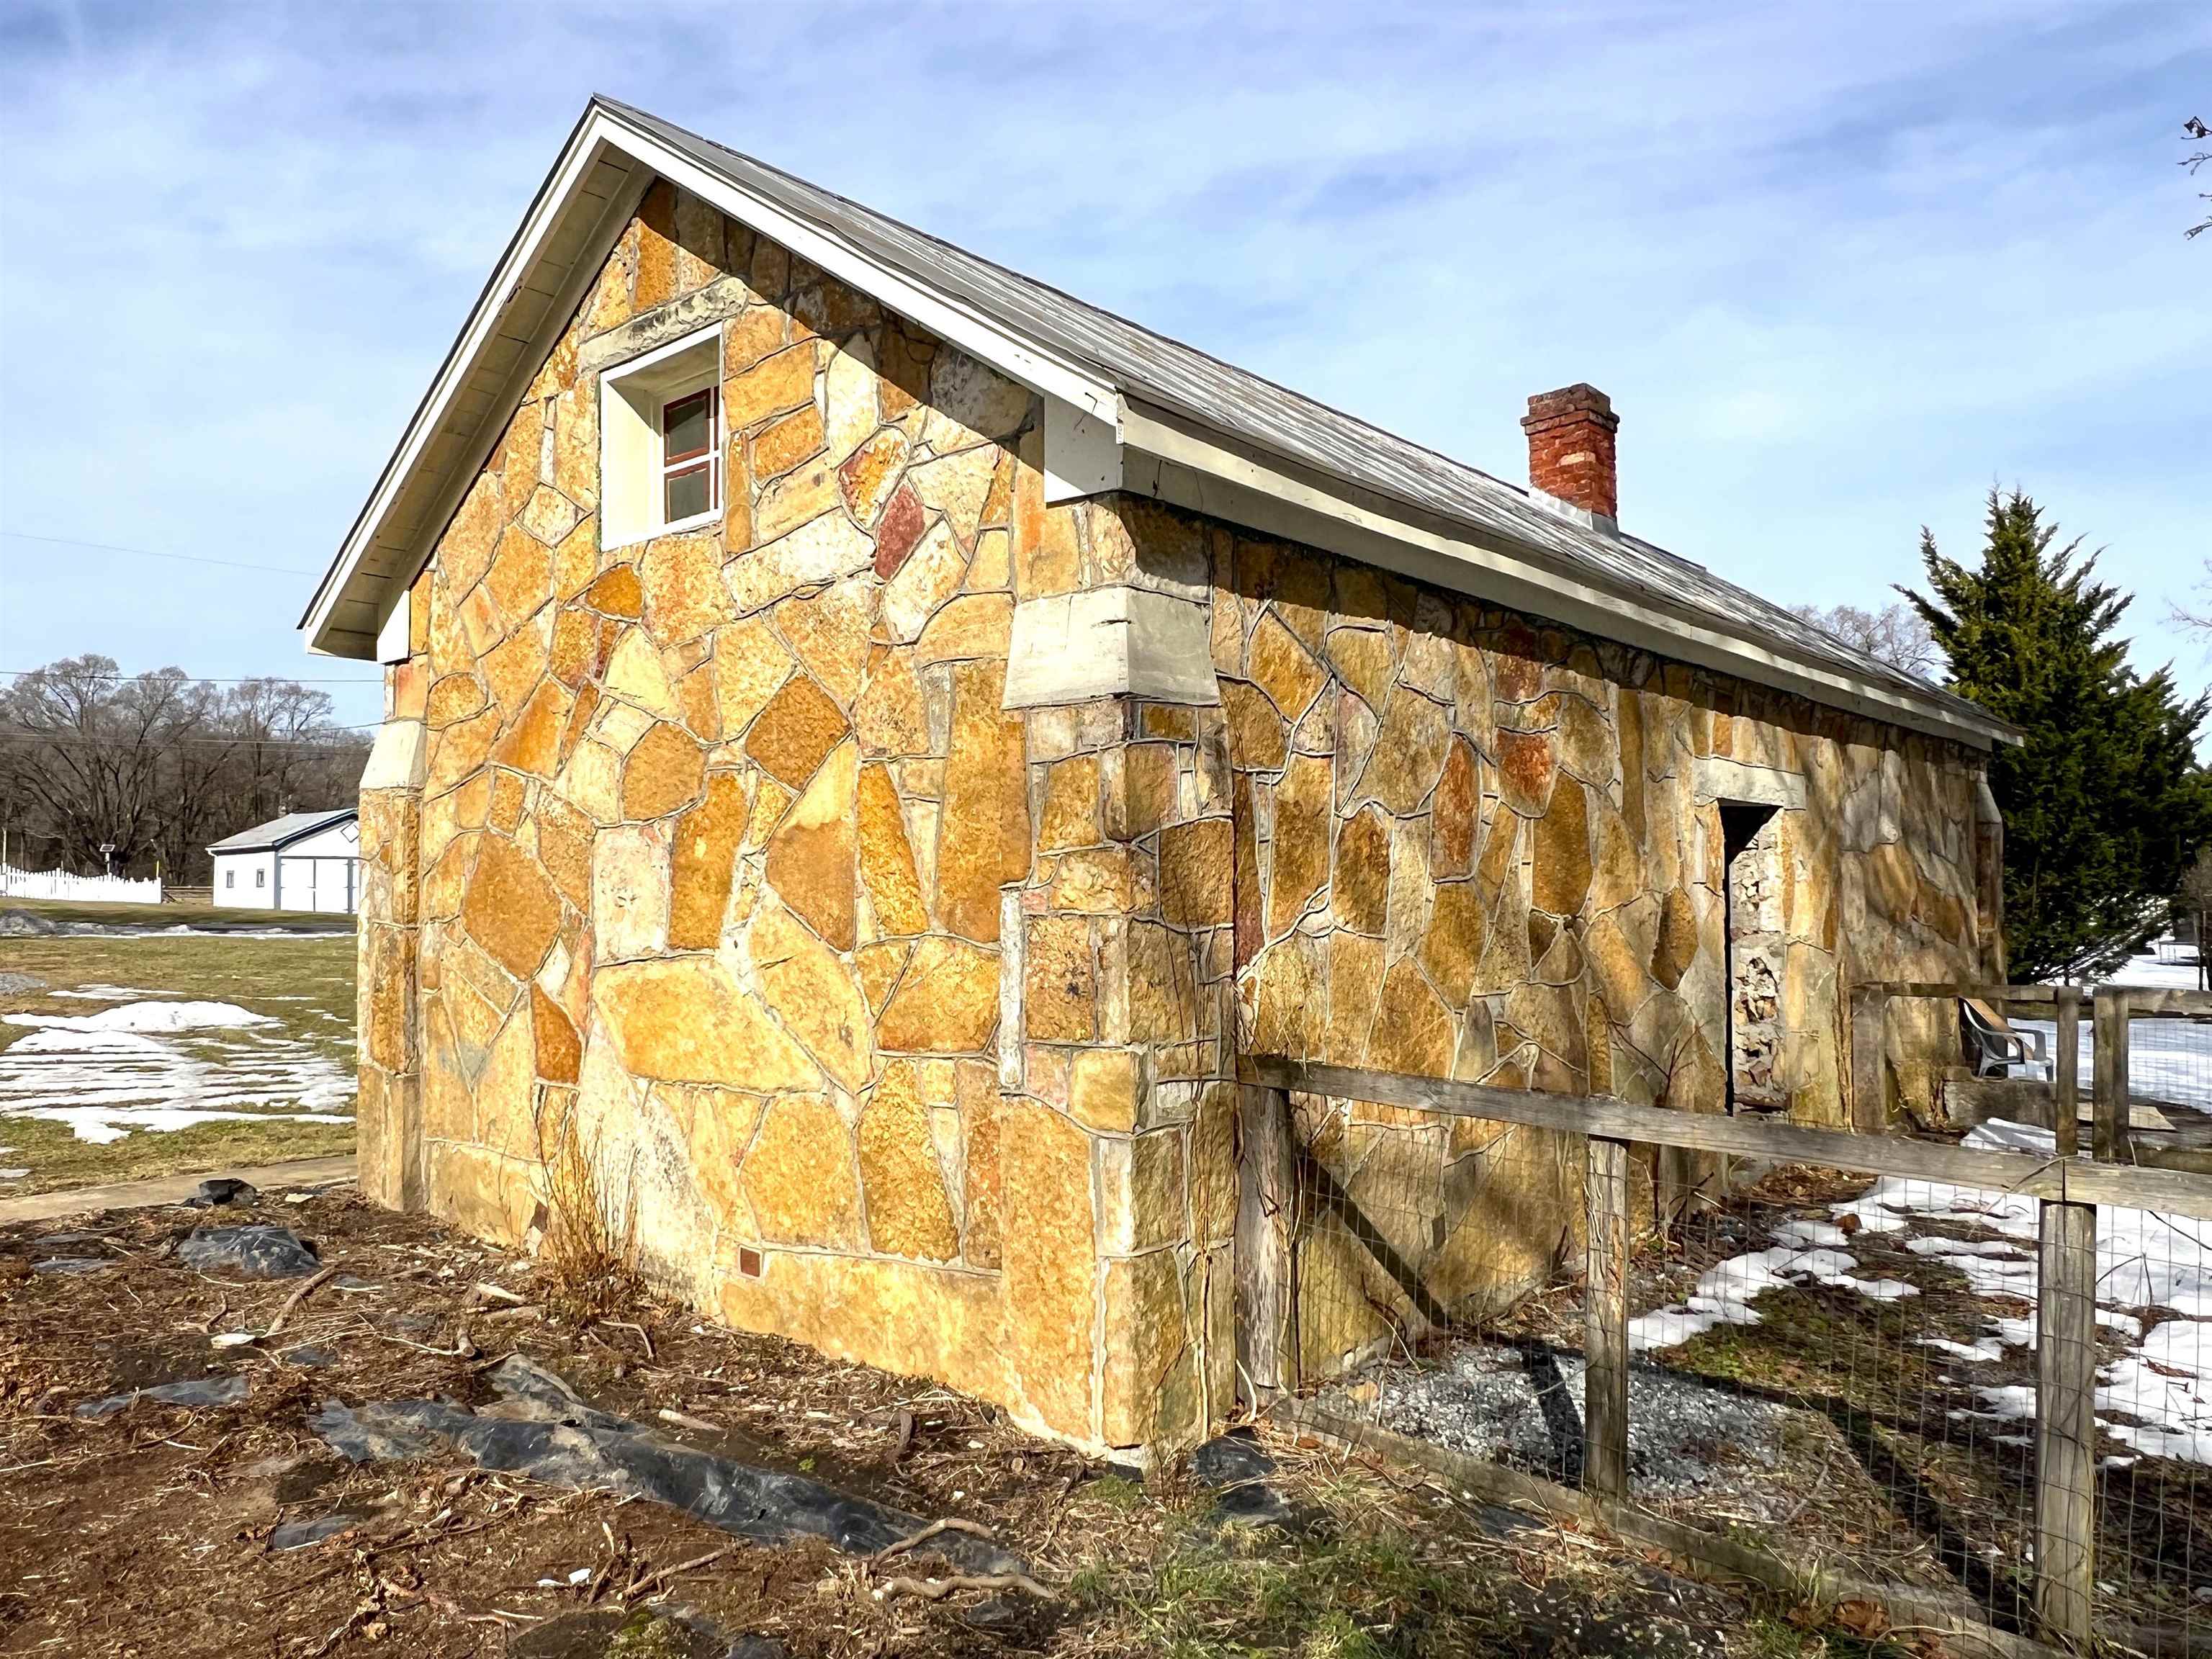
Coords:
pixel 2169 1061
pixel 150 1017
pixel 127 1067
pixel 2145 1261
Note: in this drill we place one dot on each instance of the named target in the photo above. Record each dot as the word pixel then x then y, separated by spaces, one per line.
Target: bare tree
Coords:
pixel 158 764
pixel 2197 132
pixel 1896 634
pixel 86 750
pixel 2195 902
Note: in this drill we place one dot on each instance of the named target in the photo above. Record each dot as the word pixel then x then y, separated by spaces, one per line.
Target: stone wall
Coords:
pixel 902 1022
pixel 1468 845
pixel 720 857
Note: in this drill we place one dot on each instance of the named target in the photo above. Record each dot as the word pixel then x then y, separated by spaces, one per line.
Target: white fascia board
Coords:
pixel 1082 451
pixel 1165 458
pixel 391 633
pixel 949 318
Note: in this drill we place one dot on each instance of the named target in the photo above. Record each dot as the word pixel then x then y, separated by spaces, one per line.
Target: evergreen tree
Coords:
pixel 2105 803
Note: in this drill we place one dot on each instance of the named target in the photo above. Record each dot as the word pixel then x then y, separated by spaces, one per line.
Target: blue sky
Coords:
pixel 1842 268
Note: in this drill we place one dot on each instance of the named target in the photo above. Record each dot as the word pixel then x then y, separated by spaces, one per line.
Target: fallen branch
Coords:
pixel 293 1300
pixel 685 1421
pixel 629 1325
pixel 936 1589
pixel 935 1529
pixel 639 1586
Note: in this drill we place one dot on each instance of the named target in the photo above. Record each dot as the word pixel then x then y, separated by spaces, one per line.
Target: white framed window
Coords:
pixel 230 878
pixel 260 877
pixel 661 440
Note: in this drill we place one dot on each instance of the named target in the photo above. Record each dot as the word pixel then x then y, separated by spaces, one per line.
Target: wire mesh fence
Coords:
pixel 1851 1370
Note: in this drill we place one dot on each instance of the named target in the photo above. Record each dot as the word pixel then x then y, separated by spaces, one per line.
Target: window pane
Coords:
pixel 687 427
pixel 687 493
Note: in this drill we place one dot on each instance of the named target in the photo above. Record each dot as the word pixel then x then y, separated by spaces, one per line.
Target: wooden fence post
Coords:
pixel 2066 1418
pixel 1605 1323
pixel 2109 1140
pixel 2066 1070
pixel 1267 1337
pixel 1869 1111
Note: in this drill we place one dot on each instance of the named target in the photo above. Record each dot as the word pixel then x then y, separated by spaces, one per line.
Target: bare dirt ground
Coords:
pixel 160 1528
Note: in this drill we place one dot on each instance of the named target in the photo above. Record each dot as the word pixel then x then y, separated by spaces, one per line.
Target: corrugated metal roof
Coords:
pixel 1154 368
pixel 277 832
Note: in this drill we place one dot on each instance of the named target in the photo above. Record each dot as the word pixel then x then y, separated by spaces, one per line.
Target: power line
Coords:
pixel 188 679
pixel 150 553
pixel 73 740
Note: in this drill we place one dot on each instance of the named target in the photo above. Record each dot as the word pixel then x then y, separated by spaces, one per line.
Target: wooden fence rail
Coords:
pixel 2065 1500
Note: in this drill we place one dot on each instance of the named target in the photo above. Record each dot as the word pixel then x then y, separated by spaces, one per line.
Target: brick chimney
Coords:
pixel 1571 448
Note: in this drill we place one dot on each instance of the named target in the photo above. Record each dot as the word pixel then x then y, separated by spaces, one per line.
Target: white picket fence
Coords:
pixel 60 884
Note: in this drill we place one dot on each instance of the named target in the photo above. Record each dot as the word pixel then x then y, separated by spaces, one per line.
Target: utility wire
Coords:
pixel 150 553
pixel 71 740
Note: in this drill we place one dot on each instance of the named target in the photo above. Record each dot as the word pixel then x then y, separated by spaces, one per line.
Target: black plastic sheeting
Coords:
pixel 539 1427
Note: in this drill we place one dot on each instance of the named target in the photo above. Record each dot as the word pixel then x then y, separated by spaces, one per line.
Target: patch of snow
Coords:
pixel 2158 1399
pixel 102 993
pixel 150 1017
pixel 107 1073
pixel 1724 1294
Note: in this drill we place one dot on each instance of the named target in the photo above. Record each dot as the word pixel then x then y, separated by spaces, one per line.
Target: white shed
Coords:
pixel 301 861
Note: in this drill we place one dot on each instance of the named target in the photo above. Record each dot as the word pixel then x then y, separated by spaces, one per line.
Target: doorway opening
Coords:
pixel 1751 835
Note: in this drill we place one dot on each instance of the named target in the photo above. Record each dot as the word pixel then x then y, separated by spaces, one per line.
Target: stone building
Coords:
pixel 871 739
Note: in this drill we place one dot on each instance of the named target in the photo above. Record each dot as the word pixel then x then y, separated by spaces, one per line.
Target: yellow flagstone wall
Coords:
pixel 1471 846
pixel 904 1023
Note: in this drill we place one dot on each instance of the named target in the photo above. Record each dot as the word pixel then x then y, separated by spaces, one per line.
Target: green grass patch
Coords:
pixel 1366 1592
pixel 58 1159
pixel 153 917
pixel 304 984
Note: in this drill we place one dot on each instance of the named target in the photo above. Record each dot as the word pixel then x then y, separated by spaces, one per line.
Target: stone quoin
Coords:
pixel 879 872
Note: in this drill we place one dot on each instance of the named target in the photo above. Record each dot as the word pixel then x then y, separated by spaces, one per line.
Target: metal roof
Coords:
pixel 1161 370
pixel 282 832
pixel 1663 602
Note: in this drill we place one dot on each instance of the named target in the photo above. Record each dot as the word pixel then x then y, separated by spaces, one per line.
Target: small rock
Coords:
pixel 16 985
pixel 223 1189
pixel 298 1535
pixel 1228 1459
pixel 257 1251
pixel 1237 1468
pixel 22 924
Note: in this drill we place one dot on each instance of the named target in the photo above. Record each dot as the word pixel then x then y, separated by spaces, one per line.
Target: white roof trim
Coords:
pixel 237 843
pixel 1176 457
pixel 600 131
pixel 1189 470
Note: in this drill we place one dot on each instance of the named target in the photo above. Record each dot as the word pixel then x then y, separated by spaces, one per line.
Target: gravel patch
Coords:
pixel 1524 1407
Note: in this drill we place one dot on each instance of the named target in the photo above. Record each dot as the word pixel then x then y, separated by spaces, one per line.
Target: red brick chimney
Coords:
pixel 1571 448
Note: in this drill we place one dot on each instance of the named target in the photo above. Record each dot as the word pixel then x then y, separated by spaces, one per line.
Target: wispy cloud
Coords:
pixel 1842 268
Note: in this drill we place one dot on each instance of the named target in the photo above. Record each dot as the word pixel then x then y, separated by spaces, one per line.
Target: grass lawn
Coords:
pixel 300 1057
